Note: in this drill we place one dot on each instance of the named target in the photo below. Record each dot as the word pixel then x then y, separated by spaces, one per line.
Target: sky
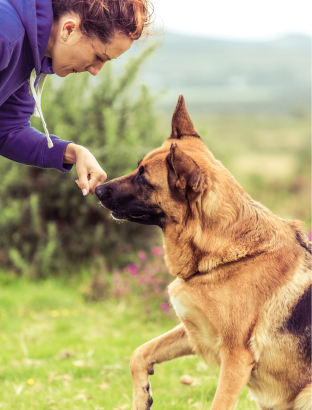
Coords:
pixel 239 19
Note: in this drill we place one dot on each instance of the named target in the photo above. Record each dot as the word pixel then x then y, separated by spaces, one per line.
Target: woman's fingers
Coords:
pixel 90 174
pixel 83 183
pixel 88 181
pixel 96 178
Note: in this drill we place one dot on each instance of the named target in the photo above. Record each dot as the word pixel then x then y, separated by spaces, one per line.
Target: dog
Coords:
pixel 243 275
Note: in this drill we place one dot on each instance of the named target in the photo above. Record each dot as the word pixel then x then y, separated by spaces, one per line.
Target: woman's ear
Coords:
pixel 70 30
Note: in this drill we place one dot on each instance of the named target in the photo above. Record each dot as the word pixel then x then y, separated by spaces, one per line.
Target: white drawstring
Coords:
pixel 37 97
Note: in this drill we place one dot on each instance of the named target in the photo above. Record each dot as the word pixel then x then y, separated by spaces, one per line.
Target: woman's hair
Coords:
pixel 105 18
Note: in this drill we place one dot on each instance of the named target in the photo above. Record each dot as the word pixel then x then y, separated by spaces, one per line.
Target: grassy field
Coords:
pixel 59 352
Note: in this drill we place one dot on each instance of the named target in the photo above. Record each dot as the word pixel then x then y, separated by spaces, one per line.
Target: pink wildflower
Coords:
pixel 133 269
pixel 142 256
pixel 157 250
pixel 165 307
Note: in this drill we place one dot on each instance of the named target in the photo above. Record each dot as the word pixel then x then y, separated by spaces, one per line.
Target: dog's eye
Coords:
pixel 141 178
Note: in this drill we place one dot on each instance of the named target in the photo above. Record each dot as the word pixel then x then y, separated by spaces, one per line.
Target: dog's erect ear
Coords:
pixel 181 122
pixel 184 173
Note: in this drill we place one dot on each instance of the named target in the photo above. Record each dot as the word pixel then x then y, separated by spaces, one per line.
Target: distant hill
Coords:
pixel 222 76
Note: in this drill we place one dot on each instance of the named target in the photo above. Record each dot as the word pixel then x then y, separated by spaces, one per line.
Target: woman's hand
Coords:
pixel 90 174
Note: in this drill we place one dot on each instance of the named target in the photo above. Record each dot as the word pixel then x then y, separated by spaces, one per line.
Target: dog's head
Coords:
pixel 206 217
pixel 166 183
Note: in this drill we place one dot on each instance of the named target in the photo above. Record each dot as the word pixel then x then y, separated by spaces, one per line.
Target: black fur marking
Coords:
pixel 149 402
pixel 300 318
pixel 184 135
pixel 304 241
pixel 299 324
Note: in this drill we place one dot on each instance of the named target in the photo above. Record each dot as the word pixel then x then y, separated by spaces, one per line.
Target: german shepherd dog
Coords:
pixel 243 275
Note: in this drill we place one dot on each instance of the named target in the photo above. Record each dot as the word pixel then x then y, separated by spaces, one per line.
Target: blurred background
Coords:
pixel 244 69
pixel 245 73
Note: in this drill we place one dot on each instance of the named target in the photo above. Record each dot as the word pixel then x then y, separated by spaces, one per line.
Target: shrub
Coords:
pixel 146 279
pixel 47 226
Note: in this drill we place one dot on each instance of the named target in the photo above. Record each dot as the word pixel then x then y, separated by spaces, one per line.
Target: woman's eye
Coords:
pixel 98 58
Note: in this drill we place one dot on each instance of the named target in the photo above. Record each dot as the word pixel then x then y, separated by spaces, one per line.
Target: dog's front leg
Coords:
pixel 172 344
pixel 236 366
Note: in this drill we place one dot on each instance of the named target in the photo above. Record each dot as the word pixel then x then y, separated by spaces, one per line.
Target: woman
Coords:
pixel 41 37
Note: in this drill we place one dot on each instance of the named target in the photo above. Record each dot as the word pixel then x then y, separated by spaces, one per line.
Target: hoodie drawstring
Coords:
pixel 37 96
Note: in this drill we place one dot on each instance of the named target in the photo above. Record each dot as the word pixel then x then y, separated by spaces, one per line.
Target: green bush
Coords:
pixel 47 226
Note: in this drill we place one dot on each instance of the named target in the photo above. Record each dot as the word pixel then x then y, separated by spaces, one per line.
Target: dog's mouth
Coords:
pixel 129 216
pixel 138 216
pixel 147 218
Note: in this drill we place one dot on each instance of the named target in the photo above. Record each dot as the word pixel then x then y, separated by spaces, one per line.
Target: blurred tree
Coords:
pixel 46 225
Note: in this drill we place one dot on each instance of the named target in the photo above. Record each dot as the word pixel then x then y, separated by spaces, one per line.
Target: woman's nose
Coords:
pixel 94 69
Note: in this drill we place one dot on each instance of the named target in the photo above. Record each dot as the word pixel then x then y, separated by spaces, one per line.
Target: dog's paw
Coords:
pixel 143 399
pixel 145 406
pixel 149 403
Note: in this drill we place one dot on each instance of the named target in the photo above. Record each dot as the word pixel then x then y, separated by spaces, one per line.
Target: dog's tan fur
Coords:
pixel 240 272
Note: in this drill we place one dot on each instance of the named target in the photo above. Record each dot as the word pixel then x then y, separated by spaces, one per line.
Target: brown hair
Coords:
pixel 104 18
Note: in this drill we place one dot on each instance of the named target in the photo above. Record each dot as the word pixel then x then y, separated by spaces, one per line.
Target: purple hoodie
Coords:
pixel 25 27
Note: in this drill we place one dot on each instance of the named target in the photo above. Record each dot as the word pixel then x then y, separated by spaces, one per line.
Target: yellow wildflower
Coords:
pixel 55 313
pixel 30 381
pixel 65 312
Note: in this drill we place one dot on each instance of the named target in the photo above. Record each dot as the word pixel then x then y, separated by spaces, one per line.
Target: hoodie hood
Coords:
pixel 25 27
pixel 36 17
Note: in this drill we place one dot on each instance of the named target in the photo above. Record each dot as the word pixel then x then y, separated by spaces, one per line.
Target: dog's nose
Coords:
pixel 101 190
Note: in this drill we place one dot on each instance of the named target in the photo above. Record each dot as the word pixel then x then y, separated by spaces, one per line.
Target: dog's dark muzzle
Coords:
pixel 114 199
pixel 103 191
pixel 105 194
pixel 127 206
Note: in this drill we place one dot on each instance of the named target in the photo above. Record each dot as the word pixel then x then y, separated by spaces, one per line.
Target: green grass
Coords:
pixel 59 352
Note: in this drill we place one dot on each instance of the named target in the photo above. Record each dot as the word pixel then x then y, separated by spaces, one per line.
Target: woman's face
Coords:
pixel 72 52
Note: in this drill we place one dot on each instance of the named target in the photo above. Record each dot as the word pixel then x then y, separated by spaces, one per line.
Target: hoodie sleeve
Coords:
pixel 4 53
pixel 22 143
